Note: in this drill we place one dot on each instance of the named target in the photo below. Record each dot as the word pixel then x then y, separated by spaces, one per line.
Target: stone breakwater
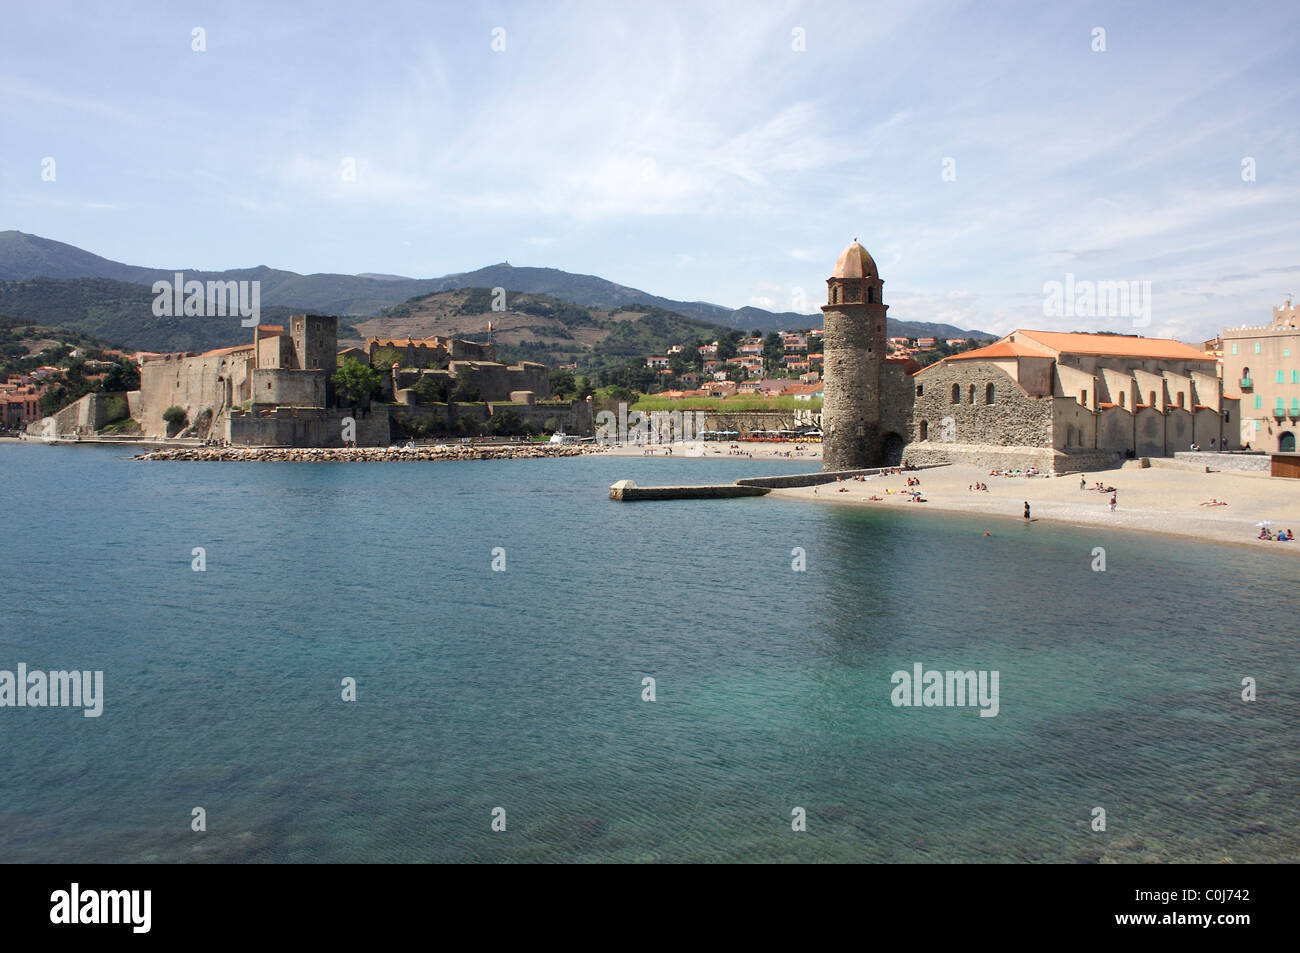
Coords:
pixel 369 454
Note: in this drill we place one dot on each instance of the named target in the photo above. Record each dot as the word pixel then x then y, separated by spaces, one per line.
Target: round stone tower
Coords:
pixel 853 335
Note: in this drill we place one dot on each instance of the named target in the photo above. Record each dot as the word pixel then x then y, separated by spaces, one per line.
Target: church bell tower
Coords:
pixel 853 335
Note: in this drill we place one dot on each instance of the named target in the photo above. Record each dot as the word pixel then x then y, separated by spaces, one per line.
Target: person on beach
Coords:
pixel 1026 511
pixel 1083 484
pixel 1112 503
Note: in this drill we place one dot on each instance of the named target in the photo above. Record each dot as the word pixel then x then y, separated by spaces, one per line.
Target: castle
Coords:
pixel 1052 400
pixel 278 390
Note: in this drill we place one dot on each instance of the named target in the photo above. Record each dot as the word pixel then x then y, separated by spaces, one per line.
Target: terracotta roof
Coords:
pixel 1105 404
pixel 270 329
pixel 227 350
pixel 999 349
pixel 1116 345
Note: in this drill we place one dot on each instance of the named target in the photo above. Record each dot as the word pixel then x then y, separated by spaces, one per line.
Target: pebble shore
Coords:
pixel 370 454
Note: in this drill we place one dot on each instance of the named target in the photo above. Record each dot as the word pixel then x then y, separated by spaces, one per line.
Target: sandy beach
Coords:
pixel 1154 500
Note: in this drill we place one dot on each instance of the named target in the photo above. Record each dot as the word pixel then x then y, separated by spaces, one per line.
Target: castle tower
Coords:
pixel 853 338
pixel 315 341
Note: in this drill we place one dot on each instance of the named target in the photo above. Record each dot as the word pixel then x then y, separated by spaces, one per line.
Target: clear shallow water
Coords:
pixel 522 689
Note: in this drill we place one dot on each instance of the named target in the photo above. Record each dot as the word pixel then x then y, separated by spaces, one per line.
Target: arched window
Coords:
pixel 988 393
pixel 1069 436
pixel 1153 398
pixel 956 393
pixel 925 430
pixel 1179 397
pixel 871 295
pixel 835 294
pixel 971 394
pixel 1121 398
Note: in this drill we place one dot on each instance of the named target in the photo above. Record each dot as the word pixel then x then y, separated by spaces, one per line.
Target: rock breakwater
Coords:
pixel 451 451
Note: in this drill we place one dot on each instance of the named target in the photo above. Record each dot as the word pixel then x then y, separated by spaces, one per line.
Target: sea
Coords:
pixel 491 661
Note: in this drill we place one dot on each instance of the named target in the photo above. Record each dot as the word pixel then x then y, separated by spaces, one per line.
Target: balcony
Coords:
pixel 1246 383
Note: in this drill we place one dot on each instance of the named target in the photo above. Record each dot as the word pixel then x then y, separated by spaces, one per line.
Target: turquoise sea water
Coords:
pixel 523 689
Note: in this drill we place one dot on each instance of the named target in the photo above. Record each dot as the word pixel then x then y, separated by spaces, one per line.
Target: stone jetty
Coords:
pixel 449 451
pixel 627 490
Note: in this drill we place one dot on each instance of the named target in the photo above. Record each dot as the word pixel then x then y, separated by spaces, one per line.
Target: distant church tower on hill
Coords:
pixel 854 341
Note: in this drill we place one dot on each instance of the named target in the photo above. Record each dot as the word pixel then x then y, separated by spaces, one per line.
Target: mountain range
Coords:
pixel 53 283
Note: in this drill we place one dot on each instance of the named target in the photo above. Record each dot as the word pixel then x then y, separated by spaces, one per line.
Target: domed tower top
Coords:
pixel 854 279
pixel 855 262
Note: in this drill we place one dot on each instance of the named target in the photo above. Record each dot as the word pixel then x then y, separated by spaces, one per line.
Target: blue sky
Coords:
pixel 686 149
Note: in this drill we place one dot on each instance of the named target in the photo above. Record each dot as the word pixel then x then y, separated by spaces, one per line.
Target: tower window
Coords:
pixel 919 390
pixel 970 395
pixel 925 430
pixel 988 393
pixel 956 393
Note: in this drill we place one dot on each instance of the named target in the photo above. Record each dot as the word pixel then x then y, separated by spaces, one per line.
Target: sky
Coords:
pixel 713 151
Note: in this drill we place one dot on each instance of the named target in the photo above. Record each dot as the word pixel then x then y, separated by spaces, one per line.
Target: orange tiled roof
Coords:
pixel 1115 345
pixel 227 350
pixel 1029 343
pixel 999 349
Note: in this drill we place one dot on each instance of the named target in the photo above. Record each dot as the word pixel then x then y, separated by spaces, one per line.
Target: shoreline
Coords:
pixel 1153 501
pixel 392 454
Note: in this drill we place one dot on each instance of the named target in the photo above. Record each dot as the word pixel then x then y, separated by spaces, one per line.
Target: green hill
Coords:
pixel 539 327
pixel 25 257
pixel 122 313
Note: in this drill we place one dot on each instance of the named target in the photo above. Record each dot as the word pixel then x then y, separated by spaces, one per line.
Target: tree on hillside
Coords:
pixel 356 382
pixel 122 377
pixel 773 352
pixel 429 390
pixel 562 383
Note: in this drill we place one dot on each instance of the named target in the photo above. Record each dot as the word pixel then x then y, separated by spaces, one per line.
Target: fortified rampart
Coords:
pixel 212 381
pixel 83 416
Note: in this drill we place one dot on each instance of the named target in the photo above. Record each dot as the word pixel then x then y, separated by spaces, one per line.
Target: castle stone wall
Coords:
pixel 191 383
pixel 289 388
